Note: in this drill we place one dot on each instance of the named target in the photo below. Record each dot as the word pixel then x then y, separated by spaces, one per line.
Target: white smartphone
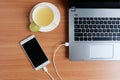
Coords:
pixel 34 52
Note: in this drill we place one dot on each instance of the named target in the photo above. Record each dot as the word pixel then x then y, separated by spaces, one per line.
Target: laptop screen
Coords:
pixel 96 0
pixel 95 3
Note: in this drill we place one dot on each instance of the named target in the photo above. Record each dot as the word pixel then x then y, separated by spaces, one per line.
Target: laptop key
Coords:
pixel 110 34
pixel 77 30
pixel 77 26
pixel 118 18
pixel 102 38
pixel 118 38
pixel 114 38
pixel 89 38
pixel 83 30
pixel 118 26
pixel 76 22
pixel 76 18
pixel 85 34
pixel 118 34
pixel 80 22
pixel 78 34
pixel 76 39
pixel 85 38
pixel 81 38
pixel 113 22
pixel 117 22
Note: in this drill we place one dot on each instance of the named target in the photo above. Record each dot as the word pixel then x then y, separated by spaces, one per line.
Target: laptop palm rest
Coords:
pixel 101 51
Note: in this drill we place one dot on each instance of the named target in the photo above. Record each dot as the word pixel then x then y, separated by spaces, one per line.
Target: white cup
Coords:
pixel 51 24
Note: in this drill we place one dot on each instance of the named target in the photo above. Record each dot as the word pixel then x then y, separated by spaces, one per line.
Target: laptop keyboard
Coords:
pixel 96 29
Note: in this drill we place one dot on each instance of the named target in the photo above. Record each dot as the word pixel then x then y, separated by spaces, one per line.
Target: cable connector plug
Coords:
pixel 45 70
pixel 66 44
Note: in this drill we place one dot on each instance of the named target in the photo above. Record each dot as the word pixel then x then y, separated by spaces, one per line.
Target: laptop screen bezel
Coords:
pixel 104 4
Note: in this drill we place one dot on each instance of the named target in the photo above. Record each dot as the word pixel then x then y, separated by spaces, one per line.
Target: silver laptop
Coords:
pixel 94 30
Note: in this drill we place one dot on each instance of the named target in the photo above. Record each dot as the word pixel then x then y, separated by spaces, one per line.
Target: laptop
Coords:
pixel 94 30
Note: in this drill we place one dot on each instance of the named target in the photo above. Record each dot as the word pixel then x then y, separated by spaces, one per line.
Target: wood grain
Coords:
pixel 14 65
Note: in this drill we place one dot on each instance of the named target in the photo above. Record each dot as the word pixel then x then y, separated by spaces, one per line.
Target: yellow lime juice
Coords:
pixel 43 16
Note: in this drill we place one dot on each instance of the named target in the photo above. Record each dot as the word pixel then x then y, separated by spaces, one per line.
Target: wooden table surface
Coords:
pixel 14 65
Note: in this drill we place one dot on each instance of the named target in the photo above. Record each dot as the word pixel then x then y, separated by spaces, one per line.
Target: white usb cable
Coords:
pixel 65 44
pixel 45 70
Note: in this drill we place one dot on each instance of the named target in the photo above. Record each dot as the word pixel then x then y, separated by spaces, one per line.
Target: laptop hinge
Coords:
pixel 73 9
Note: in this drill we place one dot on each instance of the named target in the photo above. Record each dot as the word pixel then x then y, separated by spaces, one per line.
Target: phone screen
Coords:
pixel 35 52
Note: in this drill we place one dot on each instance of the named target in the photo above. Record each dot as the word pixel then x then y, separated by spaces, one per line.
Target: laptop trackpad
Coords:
pixel 101 51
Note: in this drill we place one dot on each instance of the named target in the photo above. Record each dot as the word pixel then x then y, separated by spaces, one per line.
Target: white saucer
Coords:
pixel 55 21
